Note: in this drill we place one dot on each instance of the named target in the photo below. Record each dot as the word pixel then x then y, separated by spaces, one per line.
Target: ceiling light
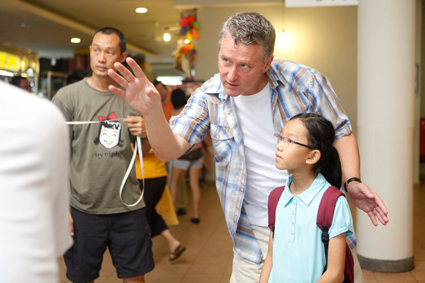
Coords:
pixel 167 36
pixel 75 40
pixel 30 72
pixel 141 10
pixel 170 80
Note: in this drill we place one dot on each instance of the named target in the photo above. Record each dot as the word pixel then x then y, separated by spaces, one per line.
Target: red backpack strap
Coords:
pixel 327 207
pixel 273 201
pixel 324 222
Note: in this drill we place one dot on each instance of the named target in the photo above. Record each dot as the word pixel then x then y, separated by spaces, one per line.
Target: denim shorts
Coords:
pixel 186 164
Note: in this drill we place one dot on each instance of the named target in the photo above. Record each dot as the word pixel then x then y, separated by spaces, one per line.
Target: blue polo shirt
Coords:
pixel 298 251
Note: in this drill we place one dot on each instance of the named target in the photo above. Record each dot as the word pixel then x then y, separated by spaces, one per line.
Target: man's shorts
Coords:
pixel 126 235
pixel 186 164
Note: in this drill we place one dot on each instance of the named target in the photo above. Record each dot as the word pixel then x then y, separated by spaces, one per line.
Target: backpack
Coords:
pixel 324 222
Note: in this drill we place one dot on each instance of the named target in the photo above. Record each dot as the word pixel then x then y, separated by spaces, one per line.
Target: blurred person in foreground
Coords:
pixel 34 207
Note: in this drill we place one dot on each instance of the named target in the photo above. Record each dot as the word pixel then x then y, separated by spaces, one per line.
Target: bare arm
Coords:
pixel 140 94
pixel 336 260
pixel 268 263
pixel 71 225
pixel 360 194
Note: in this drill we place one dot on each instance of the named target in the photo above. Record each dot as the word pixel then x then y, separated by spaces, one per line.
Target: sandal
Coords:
pixel 177 252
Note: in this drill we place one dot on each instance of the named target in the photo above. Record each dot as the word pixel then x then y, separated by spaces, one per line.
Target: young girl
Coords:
pixel 296 252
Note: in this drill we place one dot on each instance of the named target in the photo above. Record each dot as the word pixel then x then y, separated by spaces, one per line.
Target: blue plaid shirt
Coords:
pixel 294 89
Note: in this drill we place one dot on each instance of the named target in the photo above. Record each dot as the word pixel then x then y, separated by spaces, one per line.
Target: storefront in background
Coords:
pixel 19 61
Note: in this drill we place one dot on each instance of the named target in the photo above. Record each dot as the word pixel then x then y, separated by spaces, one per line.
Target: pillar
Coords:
pixel 386 78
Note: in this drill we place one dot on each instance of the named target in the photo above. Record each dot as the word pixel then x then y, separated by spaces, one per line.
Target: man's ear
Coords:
pixel 268 63
pixel 124 56
pixel 313 157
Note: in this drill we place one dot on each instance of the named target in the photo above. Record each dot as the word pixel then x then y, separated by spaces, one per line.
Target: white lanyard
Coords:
pixel 137 149
pixel 90 122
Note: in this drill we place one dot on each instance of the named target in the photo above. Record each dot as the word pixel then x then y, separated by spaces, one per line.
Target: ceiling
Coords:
pixel 46 26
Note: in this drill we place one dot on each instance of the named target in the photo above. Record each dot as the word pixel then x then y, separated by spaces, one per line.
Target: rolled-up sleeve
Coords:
pixel 327 103
pixel 192 123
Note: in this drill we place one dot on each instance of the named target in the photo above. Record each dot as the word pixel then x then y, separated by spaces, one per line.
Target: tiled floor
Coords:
pixel 208 258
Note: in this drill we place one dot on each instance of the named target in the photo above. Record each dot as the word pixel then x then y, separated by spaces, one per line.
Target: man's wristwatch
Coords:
pixel 349 181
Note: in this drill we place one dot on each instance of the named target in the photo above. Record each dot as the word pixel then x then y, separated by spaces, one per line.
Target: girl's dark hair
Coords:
pixel 321 137
pixel 178 98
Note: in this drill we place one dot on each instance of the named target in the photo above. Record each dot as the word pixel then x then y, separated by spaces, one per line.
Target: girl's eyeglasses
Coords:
pixel 289 141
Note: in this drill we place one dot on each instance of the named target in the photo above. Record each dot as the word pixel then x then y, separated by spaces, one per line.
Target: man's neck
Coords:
pixel 100 83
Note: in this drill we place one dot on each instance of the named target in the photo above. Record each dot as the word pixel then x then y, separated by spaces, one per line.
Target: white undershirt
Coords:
pixel 255 118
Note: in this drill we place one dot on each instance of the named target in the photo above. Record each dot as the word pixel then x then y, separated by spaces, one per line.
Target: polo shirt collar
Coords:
pixel 308 195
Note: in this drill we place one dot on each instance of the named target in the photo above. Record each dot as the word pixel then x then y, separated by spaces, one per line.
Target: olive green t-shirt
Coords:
pixel 100 152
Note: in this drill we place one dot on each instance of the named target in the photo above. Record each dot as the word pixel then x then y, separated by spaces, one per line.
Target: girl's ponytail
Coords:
pixel 331 169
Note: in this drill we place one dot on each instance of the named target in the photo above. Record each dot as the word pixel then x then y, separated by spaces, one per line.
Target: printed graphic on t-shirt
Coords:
pixel 109 132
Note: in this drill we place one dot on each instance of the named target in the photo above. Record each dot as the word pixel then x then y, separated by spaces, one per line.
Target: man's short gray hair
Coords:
pixel 250 28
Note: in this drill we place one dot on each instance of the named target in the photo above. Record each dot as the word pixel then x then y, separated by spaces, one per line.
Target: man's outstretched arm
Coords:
pixel 141 95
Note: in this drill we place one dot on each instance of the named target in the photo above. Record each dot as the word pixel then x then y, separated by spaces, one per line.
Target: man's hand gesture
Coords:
pixel 138 91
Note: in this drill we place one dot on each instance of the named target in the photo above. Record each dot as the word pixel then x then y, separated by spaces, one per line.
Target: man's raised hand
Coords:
pixel 137 90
